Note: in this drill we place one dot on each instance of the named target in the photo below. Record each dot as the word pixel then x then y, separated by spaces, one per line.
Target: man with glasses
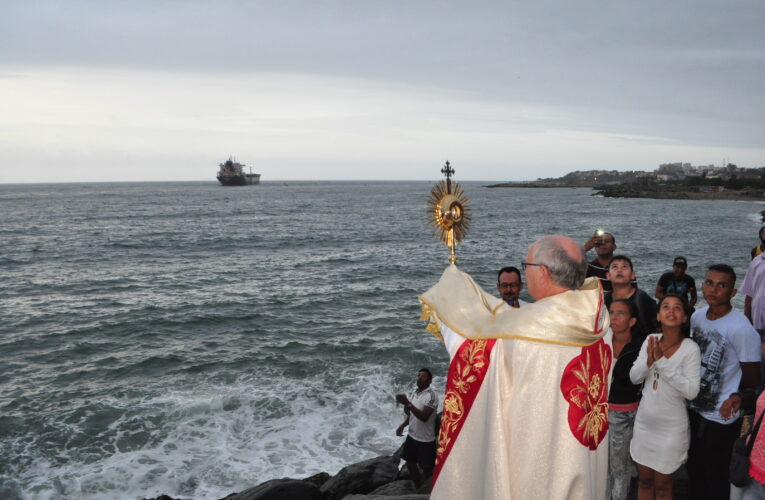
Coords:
pixel 526 386
pixel 509 285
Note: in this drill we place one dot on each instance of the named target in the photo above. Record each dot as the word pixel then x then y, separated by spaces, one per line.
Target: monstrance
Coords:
pixel 448 212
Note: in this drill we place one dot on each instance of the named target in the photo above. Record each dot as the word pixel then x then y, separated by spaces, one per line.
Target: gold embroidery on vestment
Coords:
pixel 470 361
pixel 432 326
pixel 585 395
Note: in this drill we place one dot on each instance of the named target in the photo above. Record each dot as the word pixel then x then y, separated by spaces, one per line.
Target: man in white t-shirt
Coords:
pixel 730 362
pixel 754 289
pixel 420 444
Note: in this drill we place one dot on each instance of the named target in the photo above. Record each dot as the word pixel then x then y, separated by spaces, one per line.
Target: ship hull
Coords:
pixel 232 180
pixel 252 178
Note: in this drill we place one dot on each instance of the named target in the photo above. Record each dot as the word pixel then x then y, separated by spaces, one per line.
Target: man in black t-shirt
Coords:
pixel 676 281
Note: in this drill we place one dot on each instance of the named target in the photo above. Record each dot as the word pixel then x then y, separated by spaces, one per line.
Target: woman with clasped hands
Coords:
pixel 669 365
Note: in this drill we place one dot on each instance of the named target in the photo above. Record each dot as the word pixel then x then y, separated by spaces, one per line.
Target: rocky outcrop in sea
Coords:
pixel 378 478
pixel 676 192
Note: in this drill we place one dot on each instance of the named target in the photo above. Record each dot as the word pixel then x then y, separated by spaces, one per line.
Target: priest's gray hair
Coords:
pixel 565 270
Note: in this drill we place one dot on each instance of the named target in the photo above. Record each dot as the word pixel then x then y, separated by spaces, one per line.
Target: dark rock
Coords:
pixel 318 479
pixel 161 497
pixel 426 485
pixel 279 489
pixel 403 473
pixel 362 477
pixel 402 487
pixel 384 497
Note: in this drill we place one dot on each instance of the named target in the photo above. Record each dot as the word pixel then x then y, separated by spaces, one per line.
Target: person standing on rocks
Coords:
pixel 420 444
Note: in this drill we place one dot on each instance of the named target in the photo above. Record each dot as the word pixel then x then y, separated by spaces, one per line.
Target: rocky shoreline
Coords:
pixel 532 184
pixel 678 193
pixel 378 478
pixel 666 192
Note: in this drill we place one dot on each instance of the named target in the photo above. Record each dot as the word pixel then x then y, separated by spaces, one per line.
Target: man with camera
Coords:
pixel 420 444
pixel 605 245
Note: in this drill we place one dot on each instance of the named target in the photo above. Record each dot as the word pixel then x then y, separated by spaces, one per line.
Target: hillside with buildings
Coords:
pixel 669 180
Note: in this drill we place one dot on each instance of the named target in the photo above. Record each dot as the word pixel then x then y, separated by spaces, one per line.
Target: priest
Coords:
pixel 526 405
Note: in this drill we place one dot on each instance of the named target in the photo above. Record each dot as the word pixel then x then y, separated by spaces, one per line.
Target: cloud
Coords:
pixel 346 81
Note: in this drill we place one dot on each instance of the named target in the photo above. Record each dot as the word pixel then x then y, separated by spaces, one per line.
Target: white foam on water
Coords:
pixel 756 217
pixel 215 440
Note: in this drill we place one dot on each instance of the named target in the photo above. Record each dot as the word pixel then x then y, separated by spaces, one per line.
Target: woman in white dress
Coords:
pixel 669 367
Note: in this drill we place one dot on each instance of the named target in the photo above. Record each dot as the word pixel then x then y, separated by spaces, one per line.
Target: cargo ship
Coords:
pixel 231 173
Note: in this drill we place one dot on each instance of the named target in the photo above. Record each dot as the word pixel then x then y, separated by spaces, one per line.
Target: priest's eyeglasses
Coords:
pixel 525 264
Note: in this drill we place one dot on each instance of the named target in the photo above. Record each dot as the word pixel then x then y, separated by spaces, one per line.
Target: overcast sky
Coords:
pixel 383 89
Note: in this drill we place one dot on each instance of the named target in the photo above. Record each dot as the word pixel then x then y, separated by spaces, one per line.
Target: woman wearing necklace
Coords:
pixel 669 367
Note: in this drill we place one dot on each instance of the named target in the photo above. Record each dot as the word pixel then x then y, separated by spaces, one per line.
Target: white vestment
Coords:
pixel 527 435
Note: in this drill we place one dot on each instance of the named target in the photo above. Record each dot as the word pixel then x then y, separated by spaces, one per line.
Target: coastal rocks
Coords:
pixel 396 488
pixel 318 479
pixel 280 489
pixel 385 497
pixel 362 477
pixel 374 479
pixel 677 192
pixel 403 474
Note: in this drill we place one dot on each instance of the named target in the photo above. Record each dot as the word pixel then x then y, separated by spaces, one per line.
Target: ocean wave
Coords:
pixel 211 440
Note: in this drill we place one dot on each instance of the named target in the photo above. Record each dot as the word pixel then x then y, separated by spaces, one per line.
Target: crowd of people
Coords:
pixel 677 399
pixel 681 378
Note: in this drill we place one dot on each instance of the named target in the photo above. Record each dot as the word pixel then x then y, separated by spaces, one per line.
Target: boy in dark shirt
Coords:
pixel 622 275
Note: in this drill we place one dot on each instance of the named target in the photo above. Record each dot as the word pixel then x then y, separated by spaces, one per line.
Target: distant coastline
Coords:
pixel 666 192
pixel 680 181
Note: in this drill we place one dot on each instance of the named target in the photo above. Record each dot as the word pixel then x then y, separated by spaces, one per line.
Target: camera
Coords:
pixel 598 234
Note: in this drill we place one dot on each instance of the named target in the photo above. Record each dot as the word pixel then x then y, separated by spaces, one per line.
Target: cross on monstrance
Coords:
pixel 448 212
pixel 448 171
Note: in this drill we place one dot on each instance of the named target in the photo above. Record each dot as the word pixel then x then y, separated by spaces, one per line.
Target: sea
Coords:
pixel 196 340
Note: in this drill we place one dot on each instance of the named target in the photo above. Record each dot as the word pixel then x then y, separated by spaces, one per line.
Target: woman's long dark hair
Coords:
pixel 685 331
